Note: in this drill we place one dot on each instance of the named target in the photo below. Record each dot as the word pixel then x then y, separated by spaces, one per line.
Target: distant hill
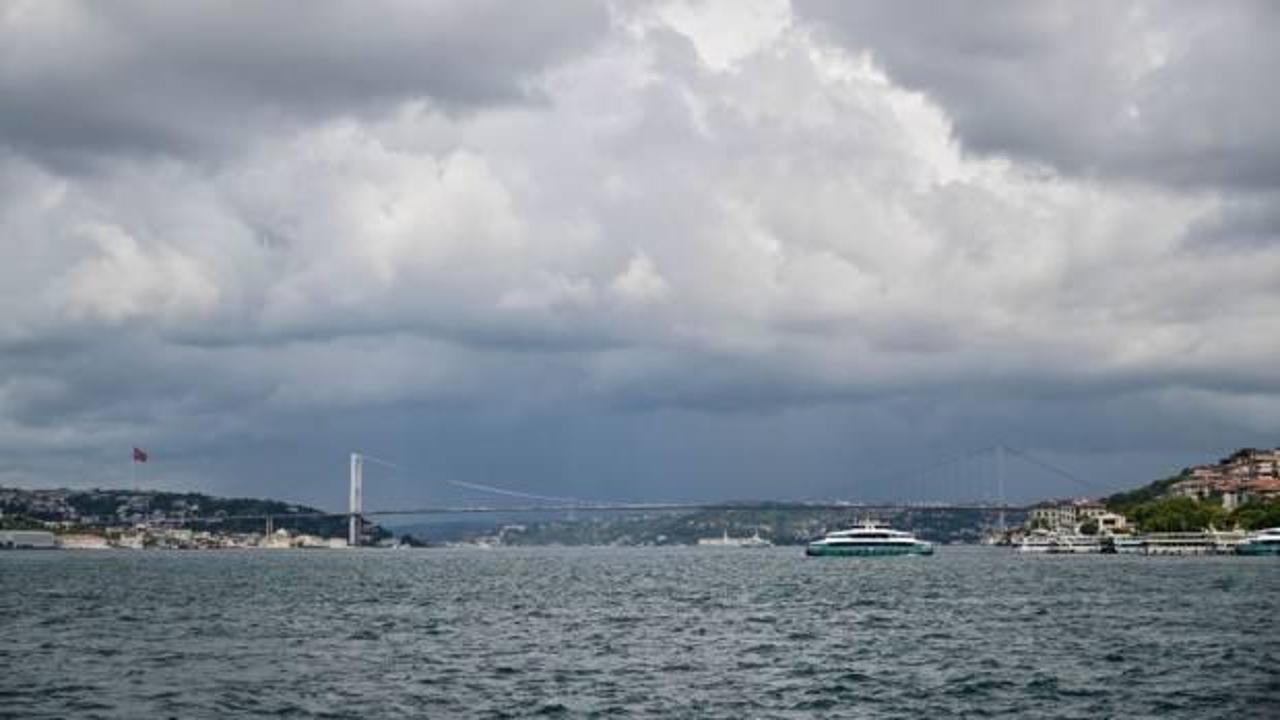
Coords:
pixel 113 508
pixel 783 524
pixel 1125 501
pixel 1240 490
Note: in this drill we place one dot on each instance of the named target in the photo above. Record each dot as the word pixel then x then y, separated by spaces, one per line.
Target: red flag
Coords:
pixel 139 456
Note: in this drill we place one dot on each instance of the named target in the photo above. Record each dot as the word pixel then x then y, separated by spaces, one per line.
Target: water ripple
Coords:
pixel 586 633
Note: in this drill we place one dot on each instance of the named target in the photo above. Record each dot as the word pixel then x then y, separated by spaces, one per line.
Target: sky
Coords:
pixel 634 250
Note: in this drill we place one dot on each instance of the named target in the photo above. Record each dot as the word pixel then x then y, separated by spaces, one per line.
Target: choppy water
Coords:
pixel 635 632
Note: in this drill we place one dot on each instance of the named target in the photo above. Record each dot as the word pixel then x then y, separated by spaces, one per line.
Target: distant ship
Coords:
pixel 755 541
pixel 869 539
pixel 1264 542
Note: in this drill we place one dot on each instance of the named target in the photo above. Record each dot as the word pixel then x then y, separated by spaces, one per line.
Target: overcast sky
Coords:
pixel 633 250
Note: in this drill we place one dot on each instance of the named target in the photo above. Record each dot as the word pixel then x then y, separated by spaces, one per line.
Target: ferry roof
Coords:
pixel 869 531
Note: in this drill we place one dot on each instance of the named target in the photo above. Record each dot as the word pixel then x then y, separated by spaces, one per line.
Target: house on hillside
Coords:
pixel 1244 475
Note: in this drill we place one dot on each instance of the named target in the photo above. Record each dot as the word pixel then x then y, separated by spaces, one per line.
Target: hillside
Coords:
pixel 116 508
pixel 783 524
pixel 1236 491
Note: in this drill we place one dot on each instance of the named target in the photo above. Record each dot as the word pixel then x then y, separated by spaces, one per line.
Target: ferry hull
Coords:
pixel 1257 549
pixel 816 550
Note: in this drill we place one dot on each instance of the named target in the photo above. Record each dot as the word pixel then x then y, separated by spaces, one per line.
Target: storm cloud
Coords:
pixel 643 251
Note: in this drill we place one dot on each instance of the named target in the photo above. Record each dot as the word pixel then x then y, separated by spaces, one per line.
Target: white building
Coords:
pixel 82 541
pixel 27 540
pixel 1068 516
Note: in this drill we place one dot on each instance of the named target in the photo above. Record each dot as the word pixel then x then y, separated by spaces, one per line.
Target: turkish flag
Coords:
pixel 139 456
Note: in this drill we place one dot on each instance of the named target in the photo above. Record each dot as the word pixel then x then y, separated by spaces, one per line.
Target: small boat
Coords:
pixel 1264 542
pixel 869 539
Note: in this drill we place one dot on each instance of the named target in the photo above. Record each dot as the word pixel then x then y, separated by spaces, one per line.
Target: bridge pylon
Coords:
pixel 1000 485
pixel 355 505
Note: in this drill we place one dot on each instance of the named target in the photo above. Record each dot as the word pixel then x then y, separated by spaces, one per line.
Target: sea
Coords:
pixel 635 632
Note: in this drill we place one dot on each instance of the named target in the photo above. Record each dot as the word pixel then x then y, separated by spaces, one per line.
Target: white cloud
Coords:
pixel 640 283
pixel 125 281
pixel 726 31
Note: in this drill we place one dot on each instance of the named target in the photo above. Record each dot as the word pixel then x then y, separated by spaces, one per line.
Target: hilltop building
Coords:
pixel 1244 475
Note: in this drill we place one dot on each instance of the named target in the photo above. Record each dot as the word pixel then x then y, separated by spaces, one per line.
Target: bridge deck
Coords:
pixel 624 507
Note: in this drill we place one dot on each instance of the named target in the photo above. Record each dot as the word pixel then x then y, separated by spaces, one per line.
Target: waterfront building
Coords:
pixel 1110 523
pixel 278 540
pixel 1068 515
pixel 131 541
pixel 27 540
pixel 1052 516
pixel 84 541
pixel 315 541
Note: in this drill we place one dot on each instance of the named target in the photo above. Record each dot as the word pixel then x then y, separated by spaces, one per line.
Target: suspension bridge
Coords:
pixel 975 480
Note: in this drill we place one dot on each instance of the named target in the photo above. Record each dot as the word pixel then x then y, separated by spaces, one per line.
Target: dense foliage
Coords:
pixel 1178 514
pixel 1184 514
pixel 1125 502
pixel 1258 515
pixel 1153 510
pixel 107 508
pixel 783 524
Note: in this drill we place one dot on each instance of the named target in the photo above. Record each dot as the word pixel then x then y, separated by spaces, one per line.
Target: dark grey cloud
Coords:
pixel 1246 222
pixel 1164 92
pixel 86 78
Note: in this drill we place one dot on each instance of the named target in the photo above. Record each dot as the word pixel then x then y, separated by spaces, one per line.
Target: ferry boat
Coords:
pixel 869 539
pixel 1225 541
pixel 1178 543
pixel 1264 542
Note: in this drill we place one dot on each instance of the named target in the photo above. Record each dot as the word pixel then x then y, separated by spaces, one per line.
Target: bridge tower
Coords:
pixel 356 504
pixel 1000 485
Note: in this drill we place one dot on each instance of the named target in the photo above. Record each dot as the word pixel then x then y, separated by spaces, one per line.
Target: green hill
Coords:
pixel 1153 508
pixel 116 508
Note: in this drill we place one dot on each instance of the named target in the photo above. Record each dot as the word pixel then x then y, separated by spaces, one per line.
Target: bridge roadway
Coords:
pixel 618 507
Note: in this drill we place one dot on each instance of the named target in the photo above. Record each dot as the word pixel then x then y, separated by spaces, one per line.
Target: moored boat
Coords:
pixel 1056 543
pixel 1128 544
pixel 1264 542
pixel 869 539
pixel 1038 541
pixel 1073 544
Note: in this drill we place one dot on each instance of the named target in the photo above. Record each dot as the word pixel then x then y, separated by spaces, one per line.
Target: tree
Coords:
pixel 1257 515
pixel 1089 527
pixel 1177 514
pixel 1125 503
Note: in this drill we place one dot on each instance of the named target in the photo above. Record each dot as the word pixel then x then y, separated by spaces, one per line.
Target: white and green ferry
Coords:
pixel 869 539
pixel 1265 542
